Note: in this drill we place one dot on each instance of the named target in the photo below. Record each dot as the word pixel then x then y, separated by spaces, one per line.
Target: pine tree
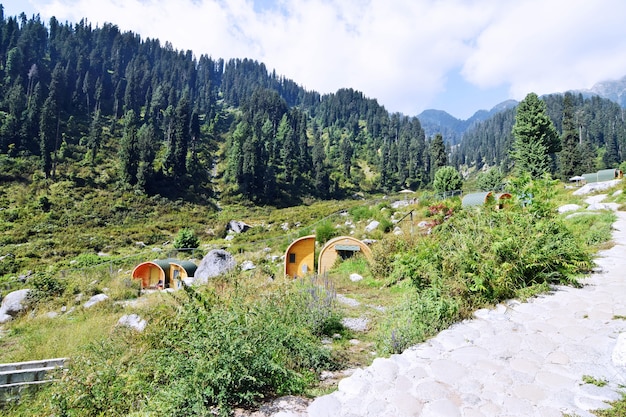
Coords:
pixel 146 150
pixel 569 157
pixel 48 123
pixel 438 154
pixel 536 140
pixel 129 152
pixel 181 137
pixel 321 180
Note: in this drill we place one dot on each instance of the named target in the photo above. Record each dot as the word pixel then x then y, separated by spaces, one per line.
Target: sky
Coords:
pixel 410 55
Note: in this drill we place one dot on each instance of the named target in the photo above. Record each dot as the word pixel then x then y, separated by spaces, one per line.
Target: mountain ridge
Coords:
pixel 436 121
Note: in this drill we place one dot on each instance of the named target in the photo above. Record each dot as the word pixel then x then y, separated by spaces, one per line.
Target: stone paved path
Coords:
pixel 519 359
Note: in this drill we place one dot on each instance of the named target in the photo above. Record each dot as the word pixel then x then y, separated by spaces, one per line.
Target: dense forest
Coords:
pixel 75 98
pixel 592 128
pixel 107 108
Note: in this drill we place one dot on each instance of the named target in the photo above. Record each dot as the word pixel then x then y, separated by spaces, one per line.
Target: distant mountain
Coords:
pixel 451 128
pixel 614 90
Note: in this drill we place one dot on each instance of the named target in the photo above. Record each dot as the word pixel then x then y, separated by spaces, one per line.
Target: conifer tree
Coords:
pixel 536 140
pixel 438 154
pixel 129 152
pixel 569 157
pixel 47 134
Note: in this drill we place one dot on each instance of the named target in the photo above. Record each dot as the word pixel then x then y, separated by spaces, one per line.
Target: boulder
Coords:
pixel 132 321
pixel 247 265
pixel 596 187
pixel 214 263
pixel 355 277
pixel 13 304
pixel 399 204
pixel 98 298
pixel 568 207
pixel 237 226
pixel 372 226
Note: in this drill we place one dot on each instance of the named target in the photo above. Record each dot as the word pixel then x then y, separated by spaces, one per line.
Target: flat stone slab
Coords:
pixel 518 359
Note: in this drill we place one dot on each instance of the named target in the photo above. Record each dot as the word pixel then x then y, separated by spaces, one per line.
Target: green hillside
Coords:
pixel 114 149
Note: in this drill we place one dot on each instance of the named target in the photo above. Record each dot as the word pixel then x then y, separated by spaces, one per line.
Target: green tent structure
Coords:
pixel 163 273
pixel 475 199
pixel 603 175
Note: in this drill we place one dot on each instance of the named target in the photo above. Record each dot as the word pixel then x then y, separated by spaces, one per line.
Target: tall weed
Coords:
pixel 203 354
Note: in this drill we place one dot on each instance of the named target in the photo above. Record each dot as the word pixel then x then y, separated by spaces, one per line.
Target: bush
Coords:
pixel 420 316
pixel 325 231
pixel 447 178
pixel 45 286
pixel 359 213
pixel 186 239
pixel 204 354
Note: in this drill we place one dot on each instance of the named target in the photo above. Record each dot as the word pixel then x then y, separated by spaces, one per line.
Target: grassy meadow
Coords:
pixel 252 335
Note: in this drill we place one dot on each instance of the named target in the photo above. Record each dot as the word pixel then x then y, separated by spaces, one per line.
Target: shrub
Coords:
pixel 359 213
pixel 325 231
pixel 186 239
pixel 420 316
pixel 45 286
pixel 447 178
pixel 204 354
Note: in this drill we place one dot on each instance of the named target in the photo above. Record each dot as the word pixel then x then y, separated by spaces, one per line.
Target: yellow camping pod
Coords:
pixel 341 248
pixel 300 257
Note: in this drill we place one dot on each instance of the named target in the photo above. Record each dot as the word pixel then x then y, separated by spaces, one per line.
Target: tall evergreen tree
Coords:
pixel 129 150
pixel 321 179
pixel 569 157
pixel 536 139
pixel 438 154
pixel 48 124
pixel 182 137
pixel 146 151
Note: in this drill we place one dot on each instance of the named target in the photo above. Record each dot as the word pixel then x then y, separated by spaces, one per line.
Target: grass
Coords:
pixel 404 304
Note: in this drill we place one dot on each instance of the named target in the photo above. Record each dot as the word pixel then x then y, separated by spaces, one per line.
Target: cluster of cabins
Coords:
pixel 299 261
pixel 300 255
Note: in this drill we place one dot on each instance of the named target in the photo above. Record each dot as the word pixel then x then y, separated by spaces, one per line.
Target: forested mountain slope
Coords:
pixel 600 132
pixel 109 109
pixel 79 101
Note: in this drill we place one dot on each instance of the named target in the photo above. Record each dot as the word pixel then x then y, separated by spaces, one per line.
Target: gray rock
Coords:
pixel 13 304
pixel 238 226
pixel 132 321
pixel 214 263
pixel 356 324
pixel 347 301
pixel 355 277
pixel 247 265
pixel 372 226
pixel 596 186
pixel 568 207
pixel 400 203
pixel 96 299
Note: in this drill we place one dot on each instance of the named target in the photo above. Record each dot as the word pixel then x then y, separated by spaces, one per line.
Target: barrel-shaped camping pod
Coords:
pixel 300 257
pixel 603 175
pixel 163 273
pixel 340 248
pixel 475 199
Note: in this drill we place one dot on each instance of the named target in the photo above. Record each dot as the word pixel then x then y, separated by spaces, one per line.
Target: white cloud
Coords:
pixel 400 52
pixel 549 46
